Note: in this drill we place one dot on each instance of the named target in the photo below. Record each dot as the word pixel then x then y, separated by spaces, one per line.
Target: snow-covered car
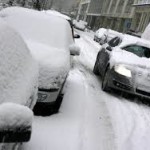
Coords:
pixel 108 35
pixel 58 14
pixel 99 34
pixel 81 25
pixel 51 43
pixel 18 88
pixel 125 67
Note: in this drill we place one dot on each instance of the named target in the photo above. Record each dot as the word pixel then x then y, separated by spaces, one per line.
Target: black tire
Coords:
pixel 95 70
pixel 105 86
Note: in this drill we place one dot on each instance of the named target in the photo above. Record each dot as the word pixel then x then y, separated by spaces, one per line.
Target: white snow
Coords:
pixel 100 32
pixel 56 13
pixel 18 70
pixel 90 119
pixel 53 64
pixel 80 24
pixel 48 37
pixel 119 56
pixel 15 116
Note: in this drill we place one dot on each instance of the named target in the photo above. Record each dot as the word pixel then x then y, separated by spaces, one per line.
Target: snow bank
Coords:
pixel 48 38
pixel 15 116
pixel 18 70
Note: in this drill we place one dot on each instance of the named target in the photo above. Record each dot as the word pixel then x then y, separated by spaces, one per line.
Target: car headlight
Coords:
pixel 121 69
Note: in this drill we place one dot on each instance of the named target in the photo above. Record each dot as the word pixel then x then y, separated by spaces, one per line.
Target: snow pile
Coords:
pixel 118 56
pixel 15 116
pixel 18 70
pixel 48 38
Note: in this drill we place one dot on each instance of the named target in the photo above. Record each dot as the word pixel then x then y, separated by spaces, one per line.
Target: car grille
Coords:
pixel 143 92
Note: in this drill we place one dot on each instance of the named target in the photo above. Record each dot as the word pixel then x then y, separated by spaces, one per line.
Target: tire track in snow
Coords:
pixel 98 131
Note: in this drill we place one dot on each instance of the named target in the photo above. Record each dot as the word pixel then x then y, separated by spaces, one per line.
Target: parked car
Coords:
pixel 125 67
pixel 81 25
pixel 18 89
pixel 99 34
pixel 51 43
pixel 58 14
pixel 108 35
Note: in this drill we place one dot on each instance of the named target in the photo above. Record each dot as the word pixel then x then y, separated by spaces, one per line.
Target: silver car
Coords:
pixel 124 64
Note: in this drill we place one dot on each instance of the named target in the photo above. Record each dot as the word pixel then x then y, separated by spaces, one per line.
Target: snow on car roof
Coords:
pixel 119 56
pixel 48 29
pixel 56 13
pixel 130 40
pixel 48 37
pixel 18 71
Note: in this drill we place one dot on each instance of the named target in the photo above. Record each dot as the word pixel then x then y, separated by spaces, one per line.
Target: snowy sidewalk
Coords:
pixel 83 122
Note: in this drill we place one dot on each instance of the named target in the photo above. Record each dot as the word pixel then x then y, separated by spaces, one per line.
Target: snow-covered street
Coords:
pixel 90 119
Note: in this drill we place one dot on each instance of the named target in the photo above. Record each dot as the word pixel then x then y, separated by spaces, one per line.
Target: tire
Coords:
pixel 105 86
pixel 95 70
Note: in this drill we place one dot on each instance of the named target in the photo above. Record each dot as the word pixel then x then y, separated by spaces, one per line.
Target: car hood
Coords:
pixel 54 64
pixel 119 56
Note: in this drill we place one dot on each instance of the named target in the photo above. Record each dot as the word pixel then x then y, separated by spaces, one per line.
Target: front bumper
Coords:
pixel 129 85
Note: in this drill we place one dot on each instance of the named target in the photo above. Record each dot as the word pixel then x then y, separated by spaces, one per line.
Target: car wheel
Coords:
pixel 95 70
pixel 105 86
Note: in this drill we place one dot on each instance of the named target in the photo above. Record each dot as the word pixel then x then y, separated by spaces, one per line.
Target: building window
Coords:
pixel 113 6
pixel 129 6
pixel 120 6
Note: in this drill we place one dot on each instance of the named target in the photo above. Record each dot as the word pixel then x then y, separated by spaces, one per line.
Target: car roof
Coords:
pixel 35 25
pixel 56 13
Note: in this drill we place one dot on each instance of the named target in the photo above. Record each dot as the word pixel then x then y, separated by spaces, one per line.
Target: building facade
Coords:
pixel 113 14
pixel 83 9
pixel 141 16
pixel 117 14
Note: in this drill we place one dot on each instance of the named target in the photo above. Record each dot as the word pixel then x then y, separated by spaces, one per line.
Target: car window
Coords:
pixel 114 42
pixel 140 51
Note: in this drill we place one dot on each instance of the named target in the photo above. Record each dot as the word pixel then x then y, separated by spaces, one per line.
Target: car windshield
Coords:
pixel 140 51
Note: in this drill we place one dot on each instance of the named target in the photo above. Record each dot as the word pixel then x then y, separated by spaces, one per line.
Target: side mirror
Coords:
pixel 15 123
pixel 109 48
pixel 74 50
pixel 76 36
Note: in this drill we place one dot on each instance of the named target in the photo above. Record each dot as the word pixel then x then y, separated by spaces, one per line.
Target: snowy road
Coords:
pixel 89 118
